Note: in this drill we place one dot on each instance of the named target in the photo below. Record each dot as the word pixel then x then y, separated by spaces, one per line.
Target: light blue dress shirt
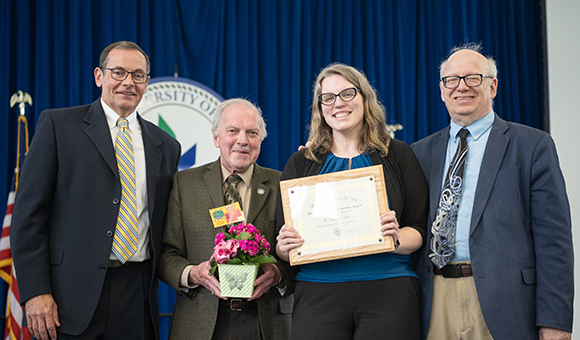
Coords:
pixel 476 141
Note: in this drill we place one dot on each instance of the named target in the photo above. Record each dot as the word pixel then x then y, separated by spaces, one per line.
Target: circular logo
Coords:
pixel 183 108
pixel 218 214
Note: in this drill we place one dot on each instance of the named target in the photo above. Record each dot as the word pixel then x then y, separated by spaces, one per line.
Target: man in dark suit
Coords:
pixel 511 272
pixel 200 310
pixel 68 211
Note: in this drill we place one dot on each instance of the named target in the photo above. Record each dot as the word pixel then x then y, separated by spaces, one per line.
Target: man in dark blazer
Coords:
pixel 513 271
pixel 200 310
pixel 67 206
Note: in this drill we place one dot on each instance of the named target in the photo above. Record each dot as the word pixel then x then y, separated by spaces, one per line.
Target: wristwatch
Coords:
pixel 281 283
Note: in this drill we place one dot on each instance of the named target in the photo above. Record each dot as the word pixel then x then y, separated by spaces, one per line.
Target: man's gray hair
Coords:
pixel 476 47
pixel 215 128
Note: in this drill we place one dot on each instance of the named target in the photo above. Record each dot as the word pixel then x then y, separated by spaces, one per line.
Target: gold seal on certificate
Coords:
pixel 337 214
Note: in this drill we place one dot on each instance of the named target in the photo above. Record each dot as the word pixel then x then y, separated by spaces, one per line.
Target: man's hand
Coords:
pixel 548 333
pixel 199 275
pixel 42 316
pixel 266 281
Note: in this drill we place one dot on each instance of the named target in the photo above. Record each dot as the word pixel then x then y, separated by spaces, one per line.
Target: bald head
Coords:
pixel 466 104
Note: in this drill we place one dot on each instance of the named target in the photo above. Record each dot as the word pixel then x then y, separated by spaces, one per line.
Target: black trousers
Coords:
pixel 237 325
pixel 123 310
pixel 381 309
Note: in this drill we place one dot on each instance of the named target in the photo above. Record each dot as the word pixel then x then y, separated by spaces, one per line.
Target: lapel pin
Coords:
pixel 261 191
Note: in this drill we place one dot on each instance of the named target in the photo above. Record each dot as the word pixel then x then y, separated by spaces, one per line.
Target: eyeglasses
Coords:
pixel 139 77
pixel 346 95
pixel 471 80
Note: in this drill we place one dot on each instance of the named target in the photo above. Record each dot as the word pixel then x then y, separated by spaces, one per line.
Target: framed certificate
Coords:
pixel 337 214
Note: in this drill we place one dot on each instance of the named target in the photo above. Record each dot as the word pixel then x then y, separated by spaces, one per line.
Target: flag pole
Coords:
pixel 14 311
pixel 21 98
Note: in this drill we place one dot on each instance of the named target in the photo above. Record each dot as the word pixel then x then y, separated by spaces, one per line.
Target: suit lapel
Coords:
pixel 153 157
pixel 437 168
pixel 214 183
pixel 259 194
pixel 99 133
pixel 494 153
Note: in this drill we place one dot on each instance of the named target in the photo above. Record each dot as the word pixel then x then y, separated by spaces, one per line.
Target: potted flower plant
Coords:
pixel 238 253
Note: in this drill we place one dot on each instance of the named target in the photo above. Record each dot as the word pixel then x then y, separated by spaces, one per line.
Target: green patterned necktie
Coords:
pixel 125 241
pixel 232 195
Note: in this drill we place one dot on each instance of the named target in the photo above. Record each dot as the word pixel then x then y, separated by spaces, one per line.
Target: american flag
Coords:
pixel 14 311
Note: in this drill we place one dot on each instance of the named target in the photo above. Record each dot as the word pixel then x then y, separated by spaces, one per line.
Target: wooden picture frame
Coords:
pixel 329 213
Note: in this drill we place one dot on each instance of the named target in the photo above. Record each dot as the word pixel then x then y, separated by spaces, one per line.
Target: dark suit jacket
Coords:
pixel 520 235
pixel 189 240
pixel 67 204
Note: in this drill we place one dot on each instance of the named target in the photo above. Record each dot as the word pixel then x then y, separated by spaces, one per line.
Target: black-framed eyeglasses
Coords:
pixel 139 77
pixel 471 80
pixel 346 95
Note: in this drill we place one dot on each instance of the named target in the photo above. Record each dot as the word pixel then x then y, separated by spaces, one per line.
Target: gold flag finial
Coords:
pixel 394 128
pixel 22 98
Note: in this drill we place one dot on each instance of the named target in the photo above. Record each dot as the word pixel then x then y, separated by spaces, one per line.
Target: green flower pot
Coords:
pixel 237 280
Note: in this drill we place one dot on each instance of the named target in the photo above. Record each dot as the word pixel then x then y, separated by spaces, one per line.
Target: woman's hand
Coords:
pixel 409 238
pixel 390 225
pixel 288 239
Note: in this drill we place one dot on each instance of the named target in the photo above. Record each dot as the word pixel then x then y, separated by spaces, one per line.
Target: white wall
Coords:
pixel 563 32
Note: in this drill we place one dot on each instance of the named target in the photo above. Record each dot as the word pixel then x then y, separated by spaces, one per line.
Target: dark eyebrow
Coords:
pixel 119 68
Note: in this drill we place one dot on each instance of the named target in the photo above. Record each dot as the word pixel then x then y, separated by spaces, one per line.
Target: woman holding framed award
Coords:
pixel 358 297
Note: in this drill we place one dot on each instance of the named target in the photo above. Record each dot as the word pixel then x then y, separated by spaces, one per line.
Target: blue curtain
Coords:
pixel 270 52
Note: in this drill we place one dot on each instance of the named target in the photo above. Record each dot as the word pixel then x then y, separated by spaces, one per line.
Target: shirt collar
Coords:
pixel 476 129
pixel 246 175
pixel 113 116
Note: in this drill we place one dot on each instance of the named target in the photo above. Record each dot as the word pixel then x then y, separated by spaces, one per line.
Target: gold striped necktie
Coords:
pixel 125 241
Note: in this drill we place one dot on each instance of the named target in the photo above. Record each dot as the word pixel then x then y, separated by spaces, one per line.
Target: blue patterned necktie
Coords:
pixel 443 228
pixel 125 240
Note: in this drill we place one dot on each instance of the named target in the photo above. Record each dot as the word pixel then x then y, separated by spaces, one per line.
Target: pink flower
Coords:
pixel 249 247
pixel 234 229
pixel 232 246
pixel 262 242
pixel 266 246
pixel 237 229
pixel 250 229
pixel 221 255
pixel 219 237
pixel 225 250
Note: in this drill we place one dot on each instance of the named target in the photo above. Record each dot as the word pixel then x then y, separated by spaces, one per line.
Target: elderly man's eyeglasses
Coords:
pixel 139 77
pixel 471 80
pixel 346 95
